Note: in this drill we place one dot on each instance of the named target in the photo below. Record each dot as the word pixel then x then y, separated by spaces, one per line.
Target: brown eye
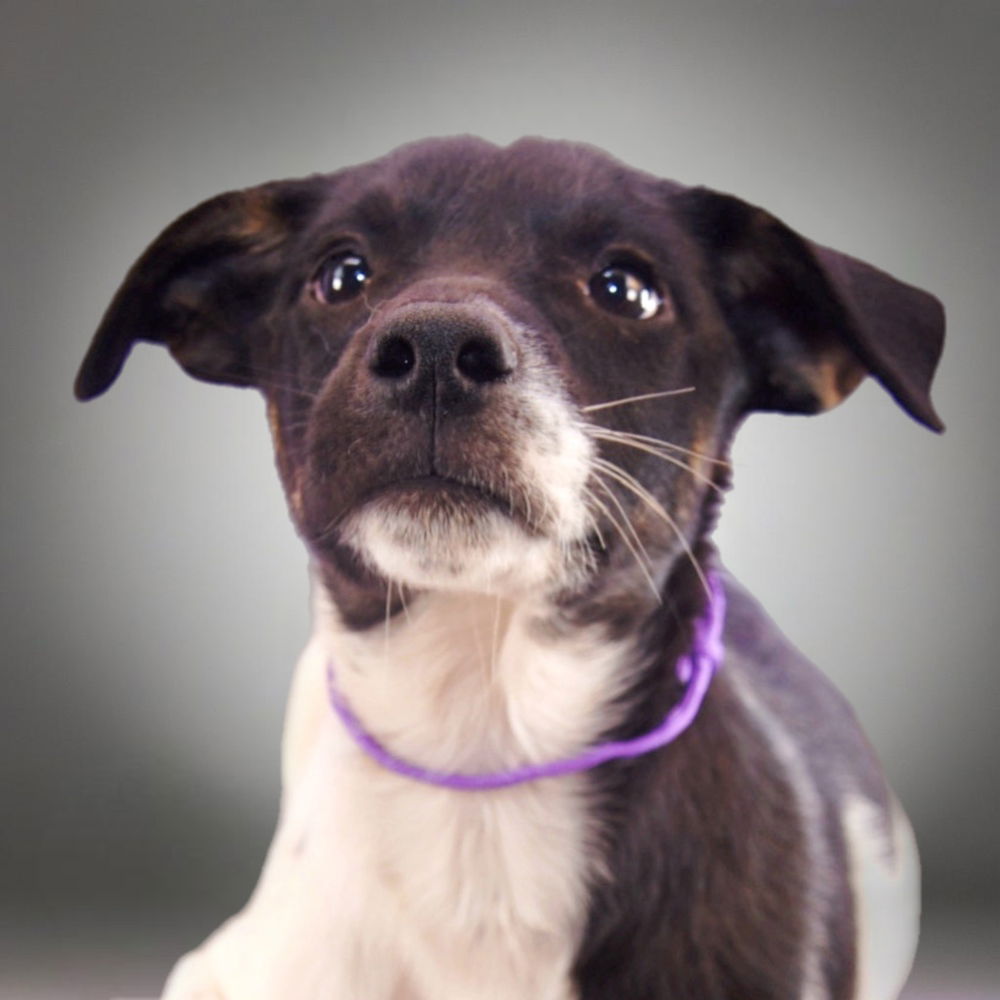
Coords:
pixel 625 291
pixel 341 278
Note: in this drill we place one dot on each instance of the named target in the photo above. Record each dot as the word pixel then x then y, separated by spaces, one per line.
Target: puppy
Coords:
pixel 539 745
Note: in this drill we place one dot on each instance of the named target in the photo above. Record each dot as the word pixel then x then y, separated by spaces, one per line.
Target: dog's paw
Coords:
pixel 192 979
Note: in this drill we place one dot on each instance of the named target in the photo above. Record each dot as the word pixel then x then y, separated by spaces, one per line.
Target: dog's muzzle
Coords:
pixel 443 438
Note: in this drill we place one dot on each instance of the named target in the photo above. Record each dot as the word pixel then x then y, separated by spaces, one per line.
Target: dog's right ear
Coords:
pixel 201 286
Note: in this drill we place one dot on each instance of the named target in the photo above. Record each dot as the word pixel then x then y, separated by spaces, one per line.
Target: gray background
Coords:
pixel 154 594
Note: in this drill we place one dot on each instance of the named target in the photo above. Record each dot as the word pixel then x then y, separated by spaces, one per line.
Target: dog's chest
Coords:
pixel 432 892
pixel 476 898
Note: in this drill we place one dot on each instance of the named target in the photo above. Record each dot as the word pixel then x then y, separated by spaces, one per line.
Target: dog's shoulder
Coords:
pixel 841 789
pixel 840 781
pixel 774 680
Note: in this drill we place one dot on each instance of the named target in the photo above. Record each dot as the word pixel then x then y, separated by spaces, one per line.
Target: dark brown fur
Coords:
pixel 708 878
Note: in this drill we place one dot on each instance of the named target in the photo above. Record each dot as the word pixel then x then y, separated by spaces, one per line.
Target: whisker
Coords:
pixel 495 642
pixel 594 407
pixel 327 530
pixel 589 495
pixel 625 519
pixel 293 390
pixel 481 658
pixel 632 484
pixel 672 459
pixel 519 488
pixel 388 616
pixel 596 430
pixel 640 554
pixel 402 600
pixel 293 426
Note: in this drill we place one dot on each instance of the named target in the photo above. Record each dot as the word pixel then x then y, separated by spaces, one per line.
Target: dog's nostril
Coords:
pixel 481 360
pixel 395 358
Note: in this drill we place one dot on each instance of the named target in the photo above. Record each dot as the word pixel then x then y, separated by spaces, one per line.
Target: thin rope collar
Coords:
pixel 695 669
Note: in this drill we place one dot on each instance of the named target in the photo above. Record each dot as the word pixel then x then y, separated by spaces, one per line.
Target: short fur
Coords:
pixel 506 478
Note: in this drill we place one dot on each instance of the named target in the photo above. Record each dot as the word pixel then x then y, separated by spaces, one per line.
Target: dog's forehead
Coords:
pixel 468 184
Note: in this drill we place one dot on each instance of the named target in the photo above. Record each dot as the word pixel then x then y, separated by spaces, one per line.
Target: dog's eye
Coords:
pixel 342 277
pixel 625 291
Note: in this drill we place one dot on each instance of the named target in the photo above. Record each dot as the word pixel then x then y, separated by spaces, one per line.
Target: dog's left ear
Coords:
pixel 202 285
pixel 813 322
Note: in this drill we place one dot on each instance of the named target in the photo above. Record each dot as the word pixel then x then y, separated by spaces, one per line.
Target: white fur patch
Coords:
pixel 560 463
pixel 885 875
pixel 495 555
pixel 380 888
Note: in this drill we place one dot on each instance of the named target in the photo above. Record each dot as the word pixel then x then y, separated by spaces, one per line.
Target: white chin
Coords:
pixel 489 554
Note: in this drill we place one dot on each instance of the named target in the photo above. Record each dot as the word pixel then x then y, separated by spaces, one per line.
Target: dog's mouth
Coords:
pixel 441 531
pixel 427 495
pixel 435 498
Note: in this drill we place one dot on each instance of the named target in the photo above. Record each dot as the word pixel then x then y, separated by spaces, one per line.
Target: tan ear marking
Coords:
pixel 835 374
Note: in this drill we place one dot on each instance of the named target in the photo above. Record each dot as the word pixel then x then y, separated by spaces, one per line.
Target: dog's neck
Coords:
pixel 467 682
pixel 479 684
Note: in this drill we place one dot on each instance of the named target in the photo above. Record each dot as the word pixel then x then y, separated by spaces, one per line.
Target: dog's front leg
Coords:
pixel 314 927
pixel 192 979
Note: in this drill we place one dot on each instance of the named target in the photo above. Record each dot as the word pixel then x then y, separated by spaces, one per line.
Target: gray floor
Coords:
pixel 95 959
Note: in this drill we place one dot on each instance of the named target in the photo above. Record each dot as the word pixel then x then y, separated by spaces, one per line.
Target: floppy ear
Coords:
pixel 813 322
pixel 201 285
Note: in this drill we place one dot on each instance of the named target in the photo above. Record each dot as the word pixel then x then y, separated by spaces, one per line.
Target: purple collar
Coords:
pixel 695 669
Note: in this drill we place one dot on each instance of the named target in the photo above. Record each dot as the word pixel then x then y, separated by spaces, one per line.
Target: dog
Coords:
pixel 540 745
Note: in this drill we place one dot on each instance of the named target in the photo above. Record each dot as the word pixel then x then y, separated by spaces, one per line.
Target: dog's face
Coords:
pixel 451 342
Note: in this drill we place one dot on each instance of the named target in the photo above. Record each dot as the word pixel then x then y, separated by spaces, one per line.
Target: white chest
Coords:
pixel 383 888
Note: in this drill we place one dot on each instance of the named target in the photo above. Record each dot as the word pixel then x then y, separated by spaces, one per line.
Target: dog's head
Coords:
pixel 509 369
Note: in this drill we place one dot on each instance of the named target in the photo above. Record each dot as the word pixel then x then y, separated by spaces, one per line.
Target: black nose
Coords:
pixel 449 357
